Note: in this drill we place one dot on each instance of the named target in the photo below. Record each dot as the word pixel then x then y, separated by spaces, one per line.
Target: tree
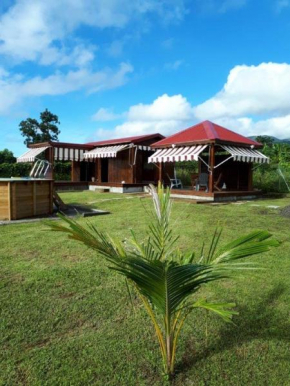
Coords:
pixel 6 156
pixel 166 279
pixel 265 140
pixel 43 131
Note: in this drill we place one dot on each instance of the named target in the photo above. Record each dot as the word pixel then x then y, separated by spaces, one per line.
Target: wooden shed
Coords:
pixel 225 161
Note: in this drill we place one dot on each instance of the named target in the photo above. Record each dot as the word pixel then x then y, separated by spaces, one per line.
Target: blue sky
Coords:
pixel 114 68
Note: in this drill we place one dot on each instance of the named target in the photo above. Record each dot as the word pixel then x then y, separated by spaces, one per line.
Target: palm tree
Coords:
pixel 166 280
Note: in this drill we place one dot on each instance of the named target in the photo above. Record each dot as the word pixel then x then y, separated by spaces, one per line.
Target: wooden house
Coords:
pixel 120 165
pixel 225 161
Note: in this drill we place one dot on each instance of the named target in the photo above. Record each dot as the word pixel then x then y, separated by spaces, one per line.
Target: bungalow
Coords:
pixel 120 165
pixel 225 162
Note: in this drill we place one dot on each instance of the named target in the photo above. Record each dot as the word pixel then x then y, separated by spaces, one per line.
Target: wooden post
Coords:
pixel 51 189
pixel 250 177
pixel 34 197
pixel 96 161
pixel 9 201
pixel 132 151
pixel 211 171
pixel 72 171
pixel 51 160
pixel 99 168
pixel 160 174
pixel 75 171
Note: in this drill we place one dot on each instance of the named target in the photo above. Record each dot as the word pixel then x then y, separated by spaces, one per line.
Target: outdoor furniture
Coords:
pixel 202 182
pixel 217 182
pixel 194 178
pixel 175 182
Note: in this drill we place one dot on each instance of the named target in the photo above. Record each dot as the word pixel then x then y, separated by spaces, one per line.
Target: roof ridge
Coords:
pixel 129 138
pixel 210 130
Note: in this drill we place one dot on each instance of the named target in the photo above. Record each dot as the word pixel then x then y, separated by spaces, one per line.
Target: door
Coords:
pixel 104 169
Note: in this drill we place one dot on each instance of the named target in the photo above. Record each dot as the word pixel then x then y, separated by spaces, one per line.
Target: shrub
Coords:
pixel 8 170
pixel 62 171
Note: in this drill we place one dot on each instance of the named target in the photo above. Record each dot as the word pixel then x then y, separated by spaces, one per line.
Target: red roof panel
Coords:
pixel 206 132
pixel 135 139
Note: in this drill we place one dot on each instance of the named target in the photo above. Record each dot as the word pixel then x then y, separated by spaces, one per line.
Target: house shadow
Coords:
pixel 259 322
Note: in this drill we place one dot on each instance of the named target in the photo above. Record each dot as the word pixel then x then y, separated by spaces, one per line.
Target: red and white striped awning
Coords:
pixel 177 154
pixel 144 148
pixel 31 154
pixel 65 154
pixel 246 155
pixel 105 152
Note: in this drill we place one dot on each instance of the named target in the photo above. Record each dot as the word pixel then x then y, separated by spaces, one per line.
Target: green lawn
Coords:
pixel 67 320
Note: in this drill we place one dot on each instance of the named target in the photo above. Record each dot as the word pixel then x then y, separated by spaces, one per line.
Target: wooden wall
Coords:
pixel 75 171
pixel 27 199
pixel 119 168
pixel 4 201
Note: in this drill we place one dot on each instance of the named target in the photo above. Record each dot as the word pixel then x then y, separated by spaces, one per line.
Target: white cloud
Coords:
pixel 250 90
pixel 278 126
pixel 34 30
pixel 14 88
pixel 104 115
pixel 165 107
pixel 254 100
pixel 166 114
pixel 173 66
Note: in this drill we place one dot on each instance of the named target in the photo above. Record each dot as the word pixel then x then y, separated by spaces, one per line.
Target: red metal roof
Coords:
pixel 135 139
pixel 205 132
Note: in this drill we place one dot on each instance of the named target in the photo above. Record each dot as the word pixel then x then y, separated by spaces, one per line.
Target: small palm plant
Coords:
pixel 167 280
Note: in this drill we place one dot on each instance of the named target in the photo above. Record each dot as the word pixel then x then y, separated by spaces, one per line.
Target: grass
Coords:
pixel 67 320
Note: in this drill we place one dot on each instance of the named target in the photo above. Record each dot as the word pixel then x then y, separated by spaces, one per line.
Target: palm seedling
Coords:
pixel 167 280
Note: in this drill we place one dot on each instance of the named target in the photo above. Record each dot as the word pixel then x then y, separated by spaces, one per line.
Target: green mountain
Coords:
pixel 274 139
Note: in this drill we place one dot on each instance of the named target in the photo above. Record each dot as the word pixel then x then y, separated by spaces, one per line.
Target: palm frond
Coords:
pixel 112 250
pixel 254 243
pixel 167 285
pixel 224 310
pixel 160 232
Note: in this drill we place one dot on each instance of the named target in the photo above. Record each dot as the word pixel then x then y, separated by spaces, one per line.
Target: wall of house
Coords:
pixel 119 168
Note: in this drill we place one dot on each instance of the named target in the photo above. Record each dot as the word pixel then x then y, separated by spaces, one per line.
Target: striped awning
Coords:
pixel 31 154
pixel 177 154
pixel 65 154
pixel 105 152
pixel 144 148
pixel 246 155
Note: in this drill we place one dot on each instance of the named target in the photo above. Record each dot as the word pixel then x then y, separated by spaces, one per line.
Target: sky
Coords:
pixel 116 68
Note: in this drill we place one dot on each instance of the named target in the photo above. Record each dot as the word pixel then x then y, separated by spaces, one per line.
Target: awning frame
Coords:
pixel 177 154
pixel 34 151
pixel 243 154
pixel 105 152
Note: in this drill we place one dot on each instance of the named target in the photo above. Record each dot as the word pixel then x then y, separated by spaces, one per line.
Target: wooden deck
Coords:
pixel 178 193
pixel 216 196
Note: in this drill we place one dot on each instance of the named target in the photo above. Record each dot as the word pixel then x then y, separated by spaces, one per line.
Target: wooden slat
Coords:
pixel 21 199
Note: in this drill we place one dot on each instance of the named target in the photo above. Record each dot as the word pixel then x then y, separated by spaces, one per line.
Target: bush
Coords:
pixel 8 170
pixel 62 171
pixel 270 180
